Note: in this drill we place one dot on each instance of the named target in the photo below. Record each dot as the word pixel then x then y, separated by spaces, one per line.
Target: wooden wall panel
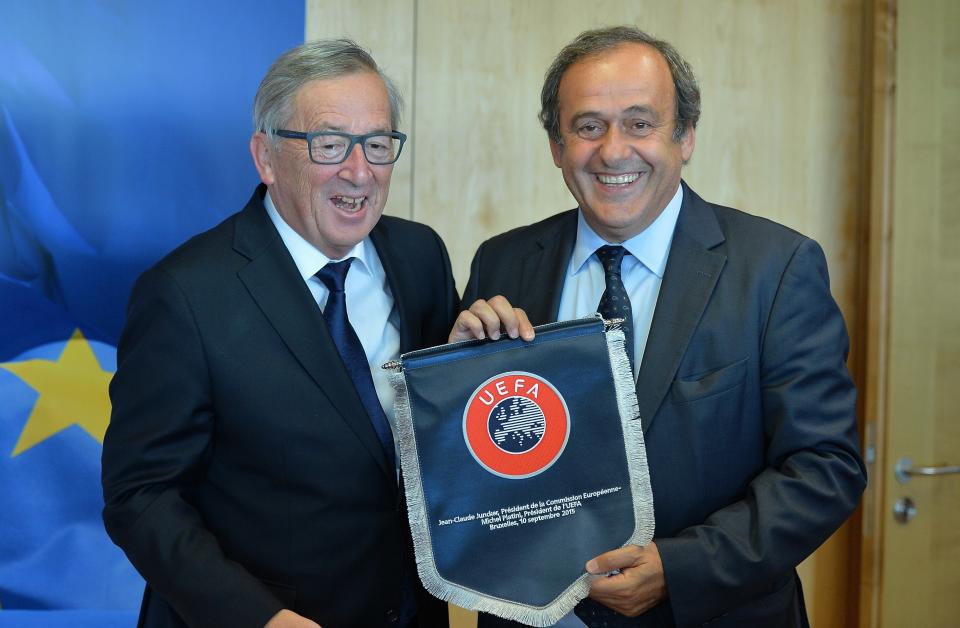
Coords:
pixel 779 134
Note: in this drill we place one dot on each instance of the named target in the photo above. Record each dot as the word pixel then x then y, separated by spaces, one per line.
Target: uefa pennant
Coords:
pixel 521 461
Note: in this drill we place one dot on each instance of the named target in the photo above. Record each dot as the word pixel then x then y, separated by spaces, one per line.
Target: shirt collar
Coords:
pixel 651 246
pixel 307 257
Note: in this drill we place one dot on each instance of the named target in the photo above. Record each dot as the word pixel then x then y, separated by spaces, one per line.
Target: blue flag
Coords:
pixel 521 462
pixel 123 131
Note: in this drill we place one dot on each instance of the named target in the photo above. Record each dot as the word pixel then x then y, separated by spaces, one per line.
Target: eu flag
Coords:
pixel 123 131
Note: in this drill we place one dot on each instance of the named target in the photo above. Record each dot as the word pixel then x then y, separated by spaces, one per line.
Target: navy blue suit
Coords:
pixel 747 406
pixel 241 473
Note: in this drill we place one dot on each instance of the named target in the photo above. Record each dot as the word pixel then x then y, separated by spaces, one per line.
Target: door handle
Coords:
pixel 904 470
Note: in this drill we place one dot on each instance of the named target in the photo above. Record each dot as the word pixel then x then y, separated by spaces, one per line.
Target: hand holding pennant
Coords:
pixel 521 461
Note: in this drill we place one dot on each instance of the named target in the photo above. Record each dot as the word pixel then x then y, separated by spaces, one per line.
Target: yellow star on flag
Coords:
pixel 72 391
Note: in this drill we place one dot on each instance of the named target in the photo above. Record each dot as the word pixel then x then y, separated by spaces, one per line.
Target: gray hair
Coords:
pixel 687 101
pixel 311 61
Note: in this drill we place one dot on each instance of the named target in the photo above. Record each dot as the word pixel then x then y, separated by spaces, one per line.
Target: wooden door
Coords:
pixel 912 524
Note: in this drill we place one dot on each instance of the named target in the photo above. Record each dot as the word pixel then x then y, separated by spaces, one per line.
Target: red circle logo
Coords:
pixel 516 425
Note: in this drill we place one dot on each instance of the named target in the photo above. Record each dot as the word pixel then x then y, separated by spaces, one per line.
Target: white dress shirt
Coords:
pixel 370 304
pixel 641 271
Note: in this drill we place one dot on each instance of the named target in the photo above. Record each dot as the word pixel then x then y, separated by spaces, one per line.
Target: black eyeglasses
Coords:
pixel 332 147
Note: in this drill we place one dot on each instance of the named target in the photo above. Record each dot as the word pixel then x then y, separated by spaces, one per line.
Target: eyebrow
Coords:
pixel 629 111
pixel 338 129
pixel 641 110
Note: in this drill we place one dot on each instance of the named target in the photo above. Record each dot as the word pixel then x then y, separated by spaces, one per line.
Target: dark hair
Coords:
pixel 591 42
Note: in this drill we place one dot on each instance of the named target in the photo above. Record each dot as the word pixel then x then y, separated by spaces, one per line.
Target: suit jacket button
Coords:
pixel 392 616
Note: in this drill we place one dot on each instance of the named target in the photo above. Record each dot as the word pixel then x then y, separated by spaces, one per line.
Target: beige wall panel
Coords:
pixel 483 163
pixel 780 132
pixel 779 135
pixel 386 29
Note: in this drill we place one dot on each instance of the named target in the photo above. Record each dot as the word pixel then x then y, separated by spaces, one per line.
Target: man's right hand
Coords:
pixel 289 619
pixel 486 319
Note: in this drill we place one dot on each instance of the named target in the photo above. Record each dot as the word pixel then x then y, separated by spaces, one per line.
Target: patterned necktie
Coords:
pixel 333 275
pixel 615 302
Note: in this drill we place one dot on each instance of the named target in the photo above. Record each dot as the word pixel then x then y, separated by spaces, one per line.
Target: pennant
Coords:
pixel 521 461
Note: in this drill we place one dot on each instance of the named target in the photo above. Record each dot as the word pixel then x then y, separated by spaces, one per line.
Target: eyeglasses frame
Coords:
pixel 354 140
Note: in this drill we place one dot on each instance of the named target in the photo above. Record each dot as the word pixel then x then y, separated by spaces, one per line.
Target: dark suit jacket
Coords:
pixel 241 474
pixel 747 407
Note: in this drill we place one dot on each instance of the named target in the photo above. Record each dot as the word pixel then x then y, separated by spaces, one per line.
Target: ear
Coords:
pixel 556 149
pixel 262 154
pixel 687 142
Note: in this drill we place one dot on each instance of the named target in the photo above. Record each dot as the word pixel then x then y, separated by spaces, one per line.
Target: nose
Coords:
pixel 615 147
pixel 355 168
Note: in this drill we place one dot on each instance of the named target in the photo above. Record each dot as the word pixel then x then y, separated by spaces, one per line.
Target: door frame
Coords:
pixel 870 362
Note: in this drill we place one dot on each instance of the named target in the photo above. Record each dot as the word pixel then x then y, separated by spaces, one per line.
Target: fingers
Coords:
pixel 623 593
pixel 488 319
pixel 619 558
pixel 494 316
pixel 466 327
pixel 510 319
pixel 640 585
pixel 524 326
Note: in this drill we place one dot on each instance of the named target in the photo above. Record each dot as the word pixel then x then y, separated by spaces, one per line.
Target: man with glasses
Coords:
pixel 249 469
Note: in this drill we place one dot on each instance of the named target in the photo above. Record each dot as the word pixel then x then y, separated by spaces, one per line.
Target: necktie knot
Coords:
pixel 611 257
pixel 334 274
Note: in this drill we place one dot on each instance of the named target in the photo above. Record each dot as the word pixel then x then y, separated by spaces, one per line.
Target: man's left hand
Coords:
pixel 638 587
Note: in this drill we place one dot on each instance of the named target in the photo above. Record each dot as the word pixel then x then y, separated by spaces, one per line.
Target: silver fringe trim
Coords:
pixel 540 616
pixel 636 450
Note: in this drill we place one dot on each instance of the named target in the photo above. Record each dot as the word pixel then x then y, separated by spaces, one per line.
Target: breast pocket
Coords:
pixel 707 422
pixel 712 383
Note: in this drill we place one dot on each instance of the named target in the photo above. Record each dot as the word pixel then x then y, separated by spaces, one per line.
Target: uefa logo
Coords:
pixel 516 425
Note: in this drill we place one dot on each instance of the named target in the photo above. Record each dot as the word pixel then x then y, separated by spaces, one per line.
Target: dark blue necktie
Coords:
pixel 615 302
pixel 351 352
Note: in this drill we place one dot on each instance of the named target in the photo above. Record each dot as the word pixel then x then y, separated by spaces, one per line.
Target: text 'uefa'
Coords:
pixel 501 388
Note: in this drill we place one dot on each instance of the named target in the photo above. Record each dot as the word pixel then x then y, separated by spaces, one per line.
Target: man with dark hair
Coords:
pixel 249 469
pixel 738 347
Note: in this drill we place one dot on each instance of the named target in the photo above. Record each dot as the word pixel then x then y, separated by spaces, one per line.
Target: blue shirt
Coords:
pixel 641 271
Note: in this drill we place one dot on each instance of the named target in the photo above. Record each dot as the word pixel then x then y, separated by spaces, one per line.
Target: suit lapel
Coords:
pixel 689 279
pixel 275 285
pixel 399 278
pixel 544 270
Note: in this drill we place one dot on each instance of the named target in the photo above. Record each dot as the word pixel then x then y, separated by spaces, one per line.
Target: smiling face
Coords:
pixel 617 153
pixel 332 207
